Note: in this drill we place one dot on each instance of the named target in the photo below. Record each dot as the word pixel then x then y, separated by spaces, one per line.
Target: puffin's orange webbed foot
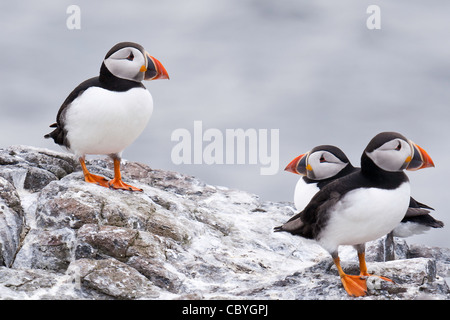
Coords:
pixel 119 184
pixel 92 178
pixel 354 285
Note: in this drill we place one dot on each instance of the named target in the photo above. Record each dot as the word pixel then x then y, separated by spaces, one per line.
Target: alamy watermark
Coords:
pixel 373 22
pixel 234 146
pixel 73 21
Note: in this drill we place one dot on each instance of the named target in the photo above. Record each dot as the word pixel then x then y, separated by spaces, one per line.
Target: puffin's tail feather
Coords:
pixel 291 226
pixel 58 135
pixel 53 133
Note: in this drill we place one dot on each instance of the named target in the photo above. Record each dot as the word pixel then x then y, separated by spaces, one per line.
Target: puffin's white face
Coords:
pixel 127 63
pixel 323 165
pixel 393 155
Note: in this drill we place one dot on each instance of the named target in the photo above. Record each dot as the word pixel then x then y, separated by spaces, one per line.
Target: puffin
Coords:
pixel 326 163
pixel 362 206
pixel 105 114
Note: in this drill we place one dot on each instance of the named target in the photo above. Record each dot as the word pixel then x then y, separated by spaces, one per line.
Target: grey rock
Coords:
pixel 108 240
pixel 113 278
pixel 156 272
pixel 37 284
pixel 32 168
pixel 46 249
pixel 11 222
pixel 440 255
pixel 62 238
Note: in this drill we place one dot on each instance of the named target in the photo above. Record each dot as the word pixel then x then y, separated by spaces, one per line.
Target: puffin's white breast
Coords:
pixel 364 215
pixel 100 121
pixel 303 193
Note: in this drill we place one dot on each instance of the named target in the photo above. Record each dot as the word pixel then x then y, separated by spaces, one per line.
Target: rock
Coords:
pixel 440 255
pixel 108 240
pixel 62 238
pixel 156 272
pixel 113 278
pixel 32 168
pixel 11 222
pixel 46 249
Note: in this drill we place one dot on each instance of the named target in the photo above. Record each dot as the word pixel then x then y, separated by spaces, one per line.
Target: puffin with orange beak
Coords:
pixel 105 114
pixel 362 206
pixel 326 163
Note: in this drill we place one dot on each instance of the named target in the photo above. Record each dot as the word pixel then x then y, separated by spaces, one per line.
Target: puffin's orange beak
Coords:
pixel 298 165
pixel 420 159
pixel 154 70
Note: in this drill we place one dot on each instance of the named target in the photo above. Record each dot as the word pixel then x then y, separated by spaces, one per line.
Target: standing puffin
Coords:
pixel 326 163
pixel 363 205
pixel 105 114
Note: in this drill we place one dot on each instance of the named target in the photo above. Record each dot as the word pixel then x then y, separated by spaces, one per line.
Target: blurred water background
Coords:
pixel 311 69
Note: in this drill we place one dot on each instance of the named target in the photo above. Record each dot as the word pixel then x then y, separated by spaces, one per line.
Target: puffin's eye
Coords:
pixel 322 159
pixel 131 56
pixel 399 147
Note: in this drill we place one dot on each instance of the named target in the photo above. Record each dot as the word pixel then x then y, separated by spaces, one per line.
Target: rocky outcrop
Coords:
pixel 62 238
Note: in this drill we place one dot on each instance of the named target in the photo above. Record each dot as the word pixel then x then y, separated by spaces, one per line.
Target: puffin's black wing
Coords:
pixel 413 203
pixel 419 213
pixel 293 224
pixel 314 217
pixel 424 219
pixel 59 135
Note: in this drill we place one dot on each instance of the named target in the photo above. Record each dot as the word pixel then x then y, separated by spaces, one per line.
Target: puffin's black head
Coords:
pixel 129 60
pixel 391 151
pixel 322 162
